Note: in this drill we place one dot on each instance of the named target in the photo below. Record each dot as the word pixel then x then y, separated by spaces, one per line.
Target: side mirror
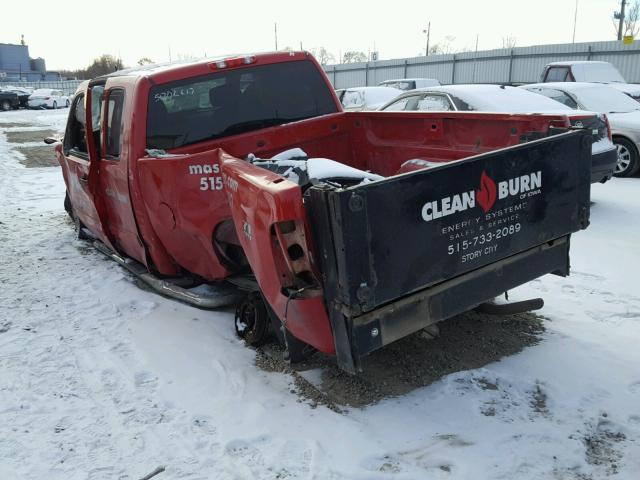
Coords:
pixel 52 140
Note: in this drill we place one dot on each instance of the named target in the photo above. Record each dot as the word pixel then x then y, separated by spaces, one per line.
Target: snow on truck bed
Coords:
pixel 102 380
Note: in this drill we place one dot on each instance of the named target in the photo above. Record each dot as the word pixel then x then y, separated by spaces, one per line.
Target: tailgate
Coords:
pixel 381 241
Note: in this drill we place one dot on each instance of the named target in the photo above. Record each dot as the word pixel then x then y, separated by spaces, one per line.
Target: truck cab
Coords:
pixel 589 71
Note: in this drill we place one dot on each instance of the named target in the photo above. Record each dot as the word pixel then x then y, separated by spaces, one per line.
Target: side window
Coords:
pixel 434 103
pixel 398 106
pixel 74 139
pixel 113 127
pixel 97 92
pixel 561 97
pixel 557 74
pixel 96 106
pixel 558 96
pixel 353 99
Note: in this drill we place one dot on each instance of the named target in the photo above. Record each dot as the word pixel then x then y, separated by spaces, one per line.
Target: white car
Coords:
pixel 407 84
pixel 589 71
pixel 366 98
pixel 622 111
pixel 504 99
pixel 48 98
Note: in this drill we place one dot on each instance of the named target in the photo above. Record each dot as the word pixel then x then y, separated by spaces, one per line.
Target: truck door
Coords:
pixel 113 176
pixel 78 161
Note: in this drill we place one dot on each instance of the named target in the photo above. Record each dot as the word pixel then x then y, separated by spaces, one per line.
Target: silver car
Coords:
pixel 501 98
pixel 622 111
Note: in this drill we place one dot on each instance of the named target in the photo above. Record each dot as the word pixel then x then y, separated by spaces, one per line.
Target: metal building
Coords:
pixel 16 65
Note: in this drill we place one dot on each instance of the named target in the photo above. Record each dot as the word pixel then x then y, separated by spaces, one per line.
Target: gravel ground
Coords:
pixel 468 341
pixel 28 136
pixel 35 157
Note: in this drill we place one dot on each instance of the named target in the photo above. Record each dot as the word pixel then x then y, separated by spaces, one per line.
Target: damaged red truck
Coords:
pixel 241 180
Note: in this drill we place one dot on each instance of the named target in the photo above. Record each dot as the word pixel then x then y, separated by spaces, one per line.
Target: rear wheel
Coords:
pixel 628 161
pixel 5 105
pixel 252 320
pixel 67 205
pixel 78 227
pixel 67 104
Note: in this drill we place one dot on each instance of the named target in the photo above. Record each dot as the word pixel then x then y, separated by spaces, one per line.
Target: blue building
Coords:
pixel 16 65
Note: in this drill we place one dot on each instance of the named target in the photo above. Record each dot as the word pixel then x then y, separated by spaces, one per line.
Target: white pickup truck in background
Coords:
pixel 589 71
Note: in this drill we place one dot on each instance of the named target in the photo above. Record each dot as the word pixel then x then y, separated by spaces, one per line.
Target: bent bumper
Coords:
pixel 603 165
pixel 380 327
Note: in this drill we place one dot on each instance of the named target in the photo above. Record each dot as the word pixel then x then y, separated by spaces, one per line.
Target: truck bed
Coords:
pixel 389 257
pixel 380 142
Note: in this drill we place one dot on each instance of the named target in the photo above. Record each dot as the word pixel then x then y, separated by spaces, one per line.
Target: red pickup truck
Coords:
pixel 340 231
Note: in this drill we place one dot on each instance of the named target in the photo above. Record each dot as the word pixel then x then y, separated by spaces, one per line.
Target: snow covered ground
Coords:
pixel 102 380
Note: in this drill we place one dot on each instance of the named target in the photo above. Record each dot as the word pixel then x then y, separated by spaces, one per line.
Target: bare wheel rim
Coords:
pixel 624 158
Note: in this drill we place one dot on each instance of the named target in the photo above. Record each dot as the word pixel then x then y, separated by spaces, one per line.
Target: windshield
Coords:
pixel 401 85
pixel 605 99
pixel 235 101
pixel 600 72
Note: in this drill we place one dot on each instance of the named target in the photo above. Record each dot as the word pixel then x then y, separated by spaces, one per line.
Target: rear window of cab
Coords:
pixel 235 101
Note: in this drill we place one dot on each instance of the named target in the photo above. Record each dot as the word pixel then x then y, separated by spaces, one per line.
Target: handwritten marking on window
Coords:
pixel 174 92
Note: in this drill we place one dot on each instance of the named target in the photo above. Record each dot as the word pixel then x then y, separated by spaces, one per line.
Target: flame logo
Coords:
pixel 486 195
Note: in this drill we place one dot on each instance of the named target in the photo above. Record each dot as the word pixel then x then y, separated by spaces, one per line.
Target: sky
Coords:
pixel 69 34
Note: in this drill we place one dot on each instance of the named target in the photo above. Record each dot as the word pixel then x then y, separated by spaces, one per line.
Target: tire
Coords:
pixel 628 159
pixel 67 205
pixel 55 105
pixel 5 105
pixel 67 104
pixel 252 320
pixel 78 227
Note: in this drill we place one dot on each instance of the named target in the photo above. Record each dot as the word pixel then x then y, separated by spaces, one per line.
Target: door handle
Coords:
pixel 84 178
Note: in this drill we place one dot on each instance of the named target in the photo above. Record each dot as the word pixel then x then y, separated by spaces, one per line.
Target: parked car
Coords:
pixel 8 100
pixel 48 98
pixel 500 98
pixel 407 84
pixel 367 98
pixel 591 72
pixel 23 94
pixel 623 114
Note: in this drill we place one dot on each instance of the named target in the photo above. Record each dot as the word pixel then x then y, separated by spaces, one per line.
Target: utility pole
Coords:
pixel 620 17
pixel 428 32
pixel 575 19
pixel 475 60
pixel 275 32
